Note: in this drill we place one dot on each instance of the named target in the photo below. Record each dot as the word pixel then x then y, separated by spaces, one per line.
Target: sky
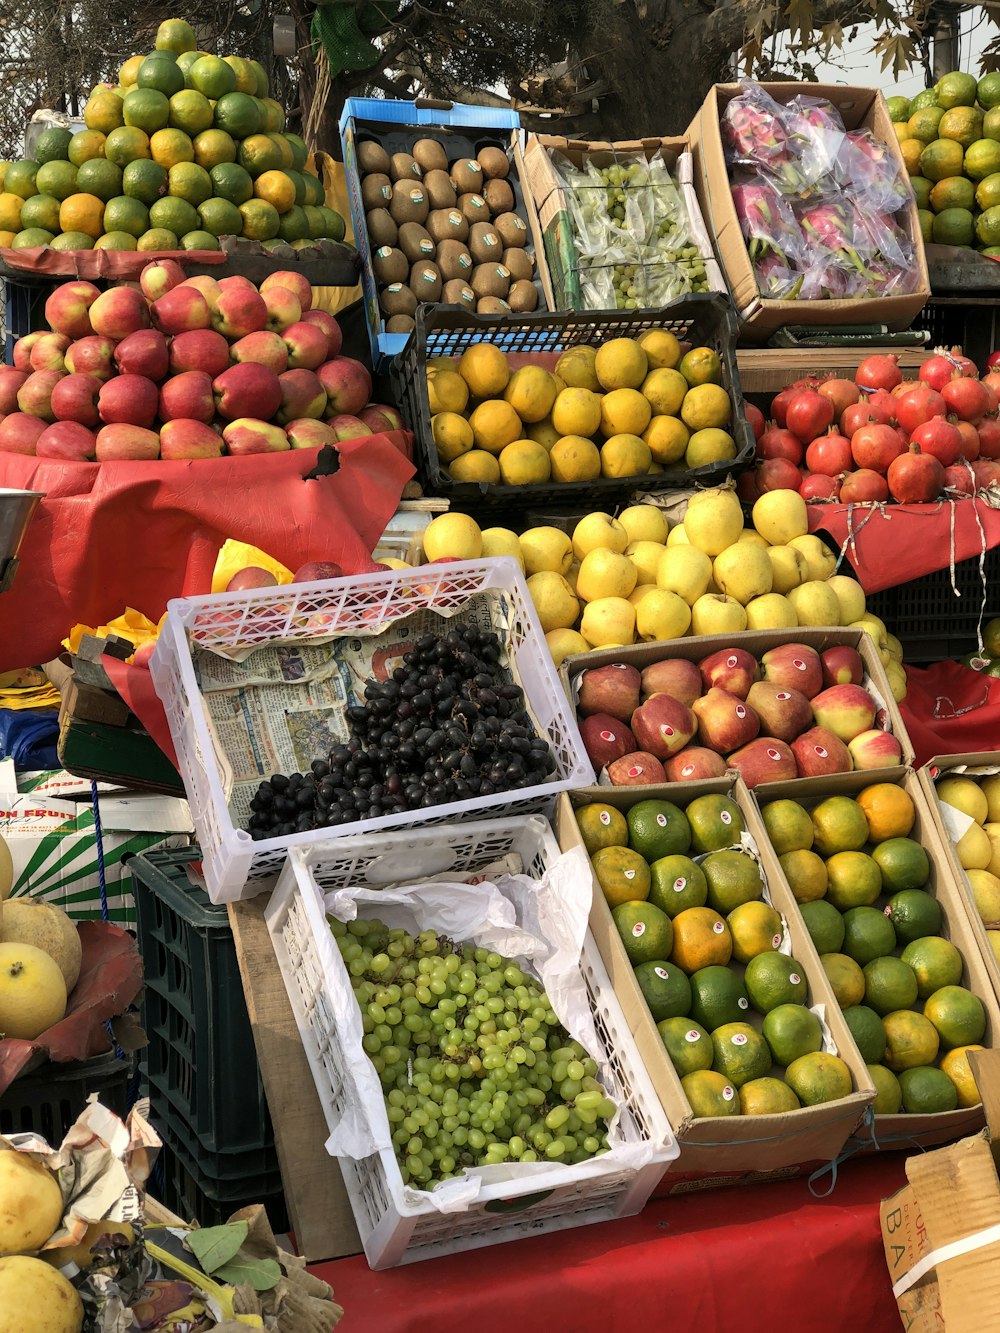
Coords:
pixel 860 68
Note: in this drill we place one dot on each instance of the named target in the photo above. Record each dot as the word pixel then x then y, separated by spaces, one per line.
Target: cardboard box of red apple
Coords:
pixel 185 368
pixel 772 705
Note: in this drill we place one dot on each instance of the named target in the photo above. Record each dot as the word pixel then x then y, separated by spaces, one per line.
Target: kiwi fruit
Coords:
pixel 467 175
pixel 492 305
pixel 457 292
pixel 390 264
pixel 372 157
pixel 473 207
pixel 523 296
pixel 440 190
pixel 415 242
pixel 400 324
pixel 447 224
pixel 425 281
pixel 513 231
pixel 382 229
pixel 519 262
pixel 454 261
pixel 499 197
pixel 431 155
pixel 490 279
pixel 409 202
pixel 494 162
pixel 376 191
pixel 398 299
pixel 484 243
pixel 403 167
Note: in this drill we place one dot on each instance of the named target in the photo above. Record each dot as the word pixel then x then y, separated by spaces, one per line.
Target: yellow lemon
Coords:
pixel 620 364
pixel 667 439
pixel 661 347
pixel 576 412
pixel 452 435
pixel 495 424
pixel 476 465
pixel 624 412
pixel 576 369
pixel 665 390
pixel 447 391
pixel 543 433
pixel 531 392
pixel 625 456
pixel 706 406
pixel 484 369
pixel 524 463
pixel 709 446
pixel 701 366
pixel 574 458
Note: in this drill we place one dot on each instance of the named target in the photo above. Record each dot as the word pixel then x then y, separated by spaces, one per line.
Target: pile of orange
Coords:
pixel 187 148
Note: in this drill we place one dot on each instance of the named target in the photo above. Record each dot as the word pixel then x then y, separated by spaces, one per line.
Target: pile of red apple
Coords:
pixel 184 368
pixel 879 437
pixel 794 714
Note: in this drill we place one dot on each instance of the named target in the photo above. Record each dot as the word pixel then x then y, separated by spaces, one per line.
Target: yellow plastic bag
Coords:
pixel 331 173
pixel 132 625
pixel 235 556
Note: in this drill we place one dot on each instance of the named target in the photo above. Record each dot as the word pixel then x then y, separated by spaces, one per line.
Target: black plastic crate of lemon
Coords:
pixel 688 902
pixel 864 889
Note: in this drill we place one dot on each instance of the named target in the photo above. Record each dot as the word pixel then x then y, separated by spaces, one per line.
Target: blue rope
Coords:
pixel 105 915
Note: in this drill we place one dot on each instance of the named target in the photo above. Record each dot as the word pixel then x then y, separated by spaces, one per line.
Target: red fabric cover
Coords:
pixel 116 265
pixel 112 535
pixel 135 685
pixel 950 709
pixel 754 1258
pixel 110 979
pixel 903 542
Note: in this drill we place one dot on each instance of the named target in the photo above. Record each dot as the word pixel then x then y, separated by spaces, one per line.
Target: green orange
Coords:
pixel 57 178
pixel 246 76
pixel 82 212
pixel 161 75
pixel 158 238
pixel 175 35
pixel 258 154
pixel 101 178
pixel 231 182
pixel 177 215
pixel 125 214
pixel 52 144
pixel 199 240
pixel 710 1094
pixel 32 238
pixel 260 220
pixel 116 240
pixel 20 178
pixel 104 111
pixel 238 115
pixel 191 112
pixel 125 145
pixel 146 110
pixel 220 218
pixel 294 225
pixel 72 240
pixel 212 76
pixel 144 180
pixel 943 157
pixel 191 182
pixel 214 147
pixel 85 146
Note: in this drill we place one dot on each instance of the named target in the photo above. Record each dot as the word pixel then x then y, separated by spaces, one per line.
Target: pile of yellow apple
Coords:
pixel 634 578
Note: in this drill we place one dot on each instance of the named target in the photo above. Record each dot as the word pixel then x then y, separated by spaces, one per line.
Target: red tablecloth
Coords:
pixel 897 543
pixel 756 1259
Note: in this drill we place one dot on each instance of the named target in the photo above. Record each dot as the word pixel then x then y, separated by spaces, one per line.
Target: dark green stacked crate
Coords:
pixel 200 1068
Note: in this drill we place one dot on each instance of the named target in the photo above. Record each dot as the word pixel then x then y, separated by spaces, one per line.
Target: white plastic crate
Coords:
pixel 236 866
pixel 393 1230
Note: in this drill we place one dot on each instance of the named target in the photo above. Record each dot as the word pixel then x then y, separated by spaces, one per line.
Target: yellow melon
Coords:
pixel 32 991
pixel 31 1203
pixel 36 1298
pixel 47 927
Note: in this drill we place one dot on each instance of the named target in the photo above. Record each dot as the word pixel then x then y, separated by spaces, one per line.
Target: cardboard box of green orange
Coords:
pixel 727 1142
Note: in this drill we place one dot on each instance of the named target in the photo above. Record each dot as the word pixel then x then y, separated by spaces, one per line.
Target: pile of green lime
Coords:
pixel 688 902
pixel 186 148
pixel 863 885
pixel 949 136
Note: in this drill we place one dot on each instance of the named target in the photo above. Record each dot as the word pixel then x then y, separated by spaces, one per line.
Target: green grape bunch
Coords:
pixel 475 1067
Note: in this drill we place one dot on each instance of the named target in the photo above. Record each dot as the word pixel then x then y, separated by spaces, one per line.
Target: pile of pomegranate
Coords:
pixel 879 437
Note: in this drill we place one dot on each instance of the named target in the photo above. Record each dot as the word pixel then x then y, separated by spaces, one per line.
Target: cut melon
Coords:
pixel 47 927
pixel 32 991
pixel 31 1203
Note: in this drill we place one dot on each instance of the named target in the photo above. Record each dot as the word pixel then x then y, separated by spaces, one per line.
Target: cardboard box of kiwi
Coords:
pixel 912 1129
pixel 551 215
pixel 976 765
pixel 438 211
pixel 736 1143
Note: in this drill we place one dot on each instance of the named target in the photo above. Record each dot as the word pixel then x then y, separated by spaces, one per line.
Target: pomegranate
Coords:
pixel 883 402
pixel 862 414
pixel 971 446
pixel 819 487
pixel 878 372
pixel 993 361
pixel 937 371
pixel 779 403
pixel 747 488
pixel 756 418
pixel 918 406
pixel 808 414
pixel 968 399
pixel 988 431
pixel 915 477
pixel 778 443
pixel 875 447
pixel 939 438
pixel 830 455
pixel 778 474
pixel 842 393
pixel 992 381
pixel 904 386
pixel 987 473
pixel 960 479
pixel 994 400
pixel 864 487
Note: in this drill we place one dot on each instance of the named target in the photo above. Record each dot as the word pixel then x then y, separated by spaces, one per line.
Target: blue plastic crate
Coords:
pixel 383 117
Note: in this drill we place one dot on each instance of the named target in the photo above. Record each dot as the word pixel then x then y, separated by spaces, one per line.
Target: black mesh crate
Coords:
pixel 702 319
pixel 201 1052
pixel 927 617
pixel 49 1100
